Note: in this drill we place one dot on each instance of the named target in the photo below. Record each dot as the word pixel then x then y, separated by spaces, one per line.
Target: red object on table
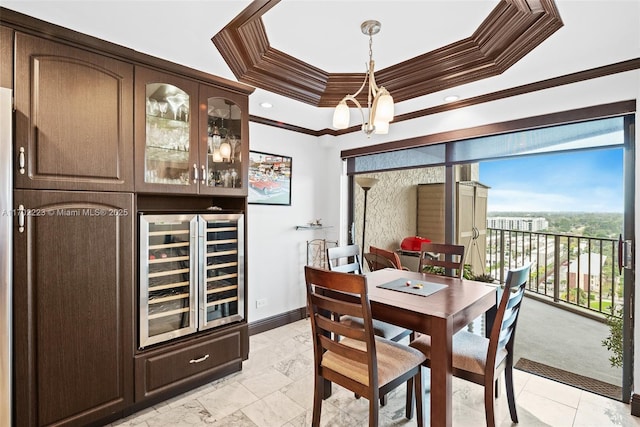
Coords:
pixel 413 243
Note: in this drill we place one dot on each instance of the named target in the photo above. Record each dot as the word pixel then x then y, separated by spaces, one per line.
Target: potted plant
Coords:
pixel 613 342
pixel 466 274
pixel 487 278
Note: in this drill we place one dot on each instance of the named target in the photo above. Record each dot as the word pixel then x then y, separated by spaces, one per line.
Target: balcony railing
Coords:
pixel 576 270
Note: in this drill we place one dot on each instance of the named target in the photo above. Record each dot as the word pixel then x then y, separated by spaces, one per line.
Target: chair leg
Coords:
pixel 489 406
pixel 317 401
pixel 383 400
pixel 373 412
pixel 511 399
pixel 419 392
pixel 409 396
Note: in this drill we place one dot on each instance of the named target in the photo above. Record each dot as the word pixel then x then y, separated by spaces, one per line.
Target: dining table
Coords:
pixel 436 305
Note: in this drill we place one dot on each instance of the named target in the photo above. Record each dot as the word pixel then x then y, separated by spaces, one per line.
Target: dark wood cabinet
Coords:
pixel 80 172
pixel 190 137
pixel 227 113
pixel 204 358
pixel 74 118
pixel 73 306
pixel 166 147
pixel 6 57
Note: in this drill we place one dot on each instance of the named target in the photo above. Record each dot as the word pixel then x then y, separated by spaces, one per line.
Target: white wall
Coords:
pixel 276 250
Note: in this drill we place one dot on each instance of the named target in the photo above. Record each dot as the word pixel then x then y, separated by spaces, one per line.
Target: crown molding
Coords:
pixel 287 126
pixel 512 29
pixel 593 73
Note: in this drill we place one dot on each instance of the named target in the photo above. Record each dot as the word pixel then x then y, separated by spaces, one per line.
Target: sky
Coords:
pixel 581 181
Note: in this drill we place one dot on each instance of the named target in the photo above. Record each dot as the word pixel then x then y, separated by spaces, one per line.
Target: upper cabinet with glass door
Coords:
pixel 224 136
pixel 191 138
pixel 166 133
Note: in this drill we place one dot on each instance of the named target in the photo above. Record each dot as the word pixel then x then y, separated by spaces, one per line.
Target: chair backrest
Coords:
pixel 437 258
pixel 345 259
pixel 330 295
pixel 378 258
pixel 504 326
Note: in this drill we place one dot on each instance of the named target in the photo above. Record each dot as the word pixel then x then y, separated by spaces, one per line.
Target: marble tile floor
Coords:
pixel 275 388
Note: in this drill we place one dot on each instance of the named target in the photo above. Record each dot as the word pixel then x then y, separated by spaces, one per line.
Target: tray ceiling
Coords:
pixel 511 30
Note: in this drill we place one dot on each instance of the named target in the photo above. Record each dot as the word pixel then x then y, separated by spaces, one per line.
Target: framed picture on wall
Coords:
pixel 269 179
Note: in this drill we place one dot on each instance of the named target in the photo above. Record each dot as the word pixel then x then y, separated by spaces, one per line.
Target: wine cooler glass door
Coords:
pixel 167 277
pixel 222 277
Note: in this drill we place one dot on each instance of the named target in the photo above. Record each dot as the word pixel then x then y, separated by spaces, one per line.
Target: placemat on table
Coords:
pixel 400 285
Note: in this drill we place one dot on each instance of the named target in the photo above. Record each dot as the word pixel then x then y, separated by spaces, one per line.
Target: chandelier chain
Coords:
pixel 368 76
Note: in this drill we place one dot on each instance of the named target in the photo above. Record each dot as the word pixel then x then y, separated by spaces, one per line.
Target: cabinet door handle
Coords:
pixel 204 174
pixel 195 173
pixel 21 161
pixel 21 218
pixel 202 359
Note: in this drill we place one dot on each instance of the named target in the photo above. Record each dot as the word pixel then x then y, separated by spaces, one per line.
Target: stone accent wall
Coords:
pixel 391 204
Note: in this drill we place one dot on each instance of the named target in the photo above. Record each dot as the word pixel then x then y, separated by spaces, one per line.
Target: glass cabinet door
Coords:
pixel 224 144
pixel 167 277
pixel 222 260
pixel 167 135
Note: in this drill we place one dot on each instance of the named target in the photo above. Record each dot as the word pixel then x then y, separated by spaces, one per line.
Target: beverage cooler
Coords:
pixel 191 273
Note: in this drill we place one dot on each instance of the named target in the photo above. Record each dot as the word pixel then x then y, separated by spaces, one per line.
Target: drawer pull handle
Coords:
pixel 195 173
pixel 202 359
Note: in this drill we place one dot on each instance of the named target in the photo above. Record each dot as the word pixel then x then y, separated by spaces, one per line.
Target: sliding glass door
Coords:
pixel 573 280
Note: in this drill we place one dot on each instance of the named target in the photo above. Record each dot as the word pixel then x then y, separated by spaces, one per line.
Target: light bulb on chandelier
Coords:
pixel 379 100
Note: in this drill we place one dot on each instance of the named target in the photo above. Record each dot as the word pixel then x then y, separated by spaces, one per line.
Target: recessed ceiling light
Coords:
pixel 451 98
pixel 266 104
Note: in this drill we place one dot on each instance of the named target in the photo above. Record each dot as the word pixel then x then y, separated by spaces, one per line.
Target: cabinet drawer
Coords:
pixel 162 369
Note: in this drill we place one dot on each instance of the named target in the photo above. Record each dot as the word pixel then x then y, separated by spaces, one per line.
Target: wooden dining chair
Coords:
pixel 346 259
pixel 378 258
pixel 368 365
pixel 441 258
pixel 481 360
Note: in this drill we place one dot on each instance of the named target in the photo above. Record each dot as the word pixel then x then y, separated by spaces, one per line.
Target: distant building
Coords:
pixel 585 271
pixel 517 223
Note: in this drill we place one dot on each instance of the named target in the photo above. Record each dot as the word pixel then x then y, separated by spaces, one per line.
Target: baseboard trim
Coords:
pixel 635 404
pixel 278 320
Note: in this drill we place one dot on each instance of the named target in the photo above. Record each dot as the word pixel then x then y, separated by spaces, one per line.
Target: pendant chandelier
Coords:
pixel 379 101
